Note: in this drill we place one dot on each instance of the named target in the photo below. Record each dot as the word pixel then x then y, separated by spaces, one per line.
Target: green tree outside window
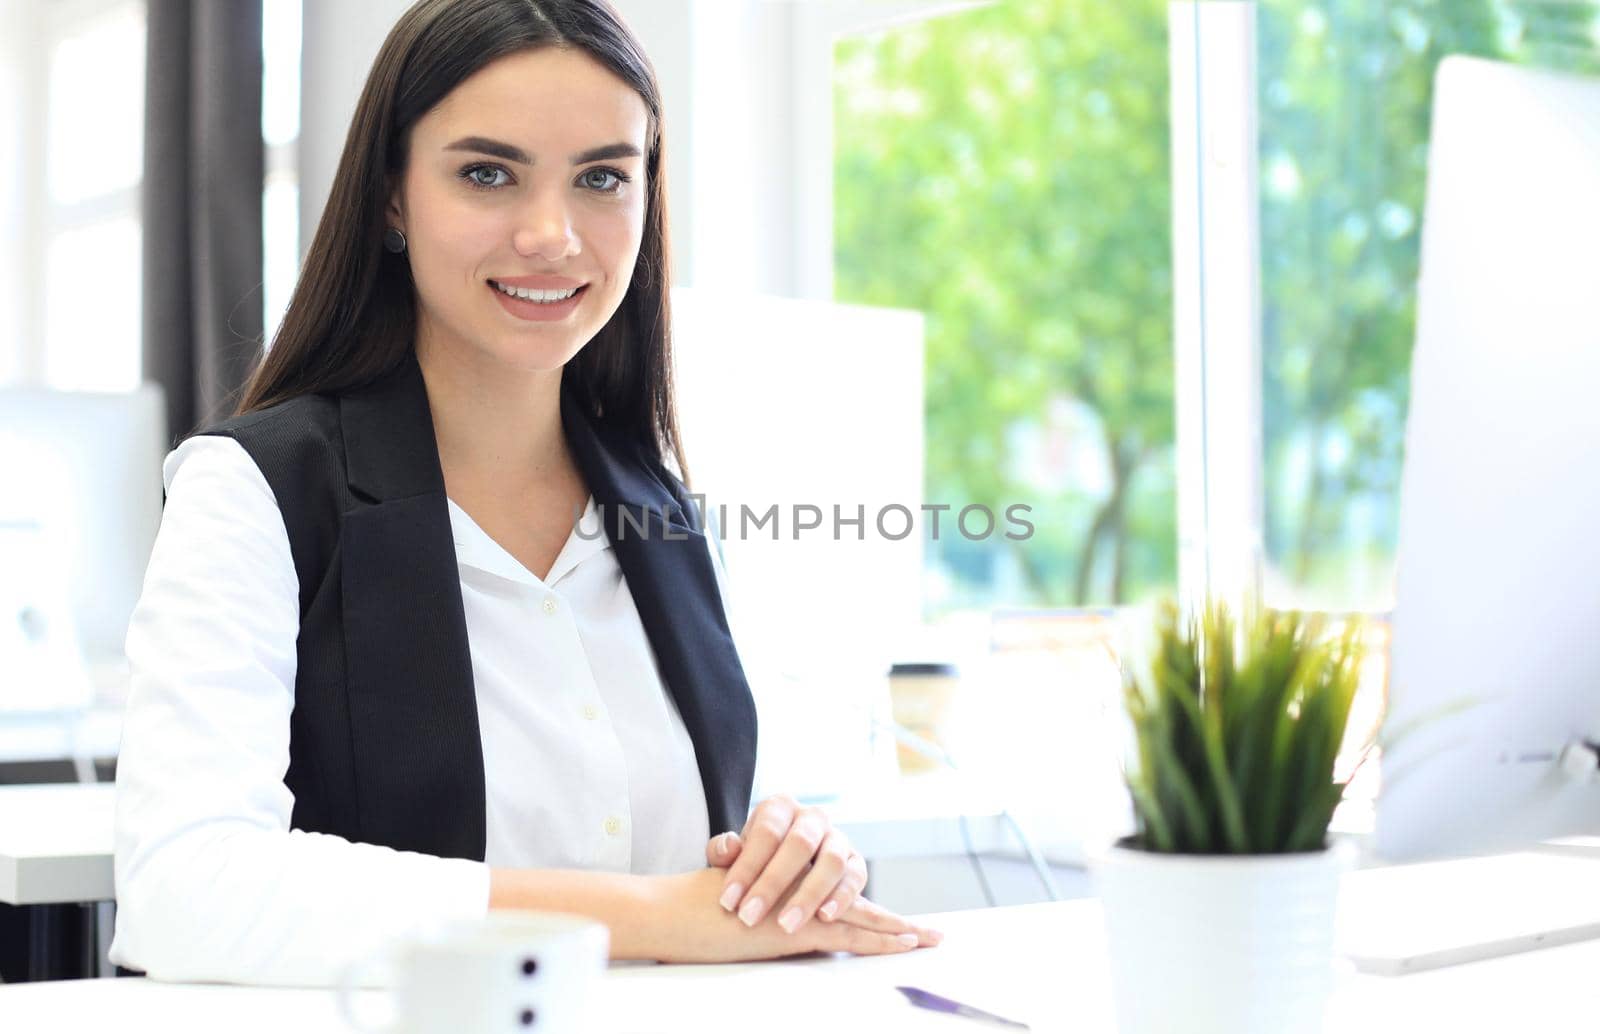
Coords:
pixel 1005 171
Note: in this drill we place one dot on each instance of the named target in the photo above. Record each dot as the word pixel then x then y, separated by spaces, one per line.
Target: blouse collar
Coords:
pixel 477 550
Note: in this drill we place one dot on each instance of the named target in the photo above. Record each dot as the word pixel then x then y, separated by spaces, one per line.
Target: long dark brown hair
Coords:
pixel 352 317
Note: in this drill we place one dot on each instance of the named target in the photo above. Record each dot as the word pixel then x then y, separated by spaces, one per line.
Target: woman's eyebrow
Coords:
pixel 483 145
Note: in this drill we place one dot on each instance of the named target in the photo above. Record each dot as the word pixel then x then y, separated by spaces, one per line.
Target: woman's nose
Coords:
pixel 546 231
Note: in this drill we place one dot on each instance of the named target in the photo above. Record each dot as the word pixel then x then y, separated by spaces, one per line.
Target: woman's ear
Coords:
pixel 393 213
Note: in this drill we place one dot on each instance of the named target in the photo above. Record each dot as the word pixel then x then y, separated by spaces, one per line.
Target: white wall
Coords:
pixel 339 39
pixel 786 403
pixel 741 163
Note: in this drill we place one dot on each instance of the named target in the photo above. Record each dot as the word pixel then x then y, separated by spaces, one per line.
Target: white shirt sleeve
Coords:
pixel 211 883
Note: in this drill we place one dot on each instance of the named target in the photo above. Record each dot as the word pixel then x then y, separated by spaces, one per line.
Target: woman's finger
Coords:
pixel 787 864
pixel 857 940
pixel 763 833
pixel 723 849
pixel 848 890
pixel 828 868
pixel 869 915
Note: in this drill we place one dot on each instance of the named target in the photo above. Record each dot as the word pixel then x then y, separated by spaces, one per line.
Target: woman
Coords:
pixel 379 676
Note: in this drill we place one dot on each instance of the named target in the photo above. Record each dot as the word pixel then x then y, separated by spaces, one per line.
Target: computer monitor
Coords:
pixel 80 496
pixel 1494 698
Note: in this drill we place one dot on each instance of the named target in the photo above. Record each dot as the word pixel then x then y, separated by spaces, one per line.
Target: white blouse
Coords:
pixel 586 759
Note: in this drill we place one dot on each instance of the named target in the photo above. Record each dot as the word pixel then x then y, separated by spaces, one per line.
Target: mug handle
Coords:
pixel 351 980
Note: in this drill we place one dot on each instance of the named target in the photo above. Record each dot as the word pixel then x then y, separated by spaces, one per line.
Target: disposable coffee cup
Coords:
pixel 921 701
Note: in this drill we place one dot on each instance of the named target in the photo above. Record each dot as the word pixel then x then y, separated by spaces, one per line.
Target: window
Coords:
pixel 93 155
pixel 1344 96
pixel 1004 170
pixel 72 97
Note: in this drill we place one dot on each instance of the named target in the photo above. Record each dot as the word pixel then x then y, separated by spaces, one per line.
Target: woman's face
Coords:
pixel 528 177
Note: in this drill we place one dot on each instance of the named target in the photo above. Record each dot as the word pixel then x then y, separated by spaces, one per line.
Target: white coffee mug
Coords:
pixel 512 971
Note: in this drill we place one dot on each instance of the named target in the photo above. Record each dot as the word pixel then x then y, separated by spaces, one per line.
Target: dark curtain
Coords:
pixel 204 163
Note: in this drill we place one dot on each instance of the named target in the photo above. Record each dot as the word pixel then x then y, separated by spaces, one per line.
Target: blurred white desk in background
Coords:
pixel 56 843
pixel 918 816
pixel 94 733
pixel 56 849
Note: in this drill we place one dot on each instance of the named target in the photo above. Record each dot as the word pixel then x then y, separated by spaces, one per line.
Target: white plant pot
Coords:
pixel 1231 944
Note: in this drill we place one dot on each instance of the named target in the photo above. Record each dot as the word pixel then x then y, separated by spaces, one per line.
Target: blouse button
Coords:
pixel 549 605
pixel 613 826
pixel 591 712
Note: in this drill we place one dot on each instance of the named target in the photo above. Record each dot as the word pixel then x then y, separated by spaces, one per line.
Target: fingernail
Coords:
pixel 829 910
pixel 934 936
pixel 790 920
pixel 909 940
pixel 731 896
pixel 724 845
pixel 750 914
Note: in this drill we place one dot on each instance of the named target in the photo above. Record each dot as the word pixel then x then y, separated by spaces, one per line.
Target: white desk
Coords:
pixel 1043 964
pixel 55 849
pixel 56 843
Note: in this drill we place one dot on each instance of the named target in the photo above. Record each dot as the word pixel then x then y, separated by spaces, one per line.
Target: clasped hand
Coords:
pixel 789 860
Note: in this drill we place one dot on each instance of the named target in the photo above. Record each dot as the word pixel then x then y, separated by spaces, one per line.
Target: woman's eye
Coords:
pixel 597 179
pixel 485 176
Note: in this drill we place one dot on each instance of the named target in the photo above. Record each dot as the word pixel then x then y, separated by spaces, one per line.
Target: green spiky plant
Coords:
pixel 1237 725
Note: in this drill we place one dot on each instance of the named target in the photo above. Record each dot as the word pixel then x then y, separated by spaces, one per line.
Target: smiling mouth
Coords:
pixel 533 294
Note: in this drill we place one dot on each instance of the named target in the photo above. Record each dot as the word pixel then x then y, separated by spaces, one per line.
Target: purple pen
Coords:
pixel 928 1000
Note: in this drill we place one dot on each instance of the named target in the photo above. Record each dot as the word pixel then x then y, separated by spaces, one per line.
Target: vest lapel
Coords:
pixel 413 711
pixel 674 588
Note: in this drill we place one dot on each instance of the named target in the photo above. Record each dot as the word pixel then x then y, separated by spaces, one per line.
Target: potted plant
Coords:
pixel 1219 908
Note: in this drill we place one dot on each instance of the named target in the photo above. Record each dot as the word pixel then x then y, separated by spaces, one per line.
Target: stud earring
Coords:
pixel 394 240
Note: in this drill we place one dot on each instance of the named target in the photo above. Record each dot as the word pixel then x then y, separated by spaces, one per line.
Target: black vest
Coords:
pixel 384 745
